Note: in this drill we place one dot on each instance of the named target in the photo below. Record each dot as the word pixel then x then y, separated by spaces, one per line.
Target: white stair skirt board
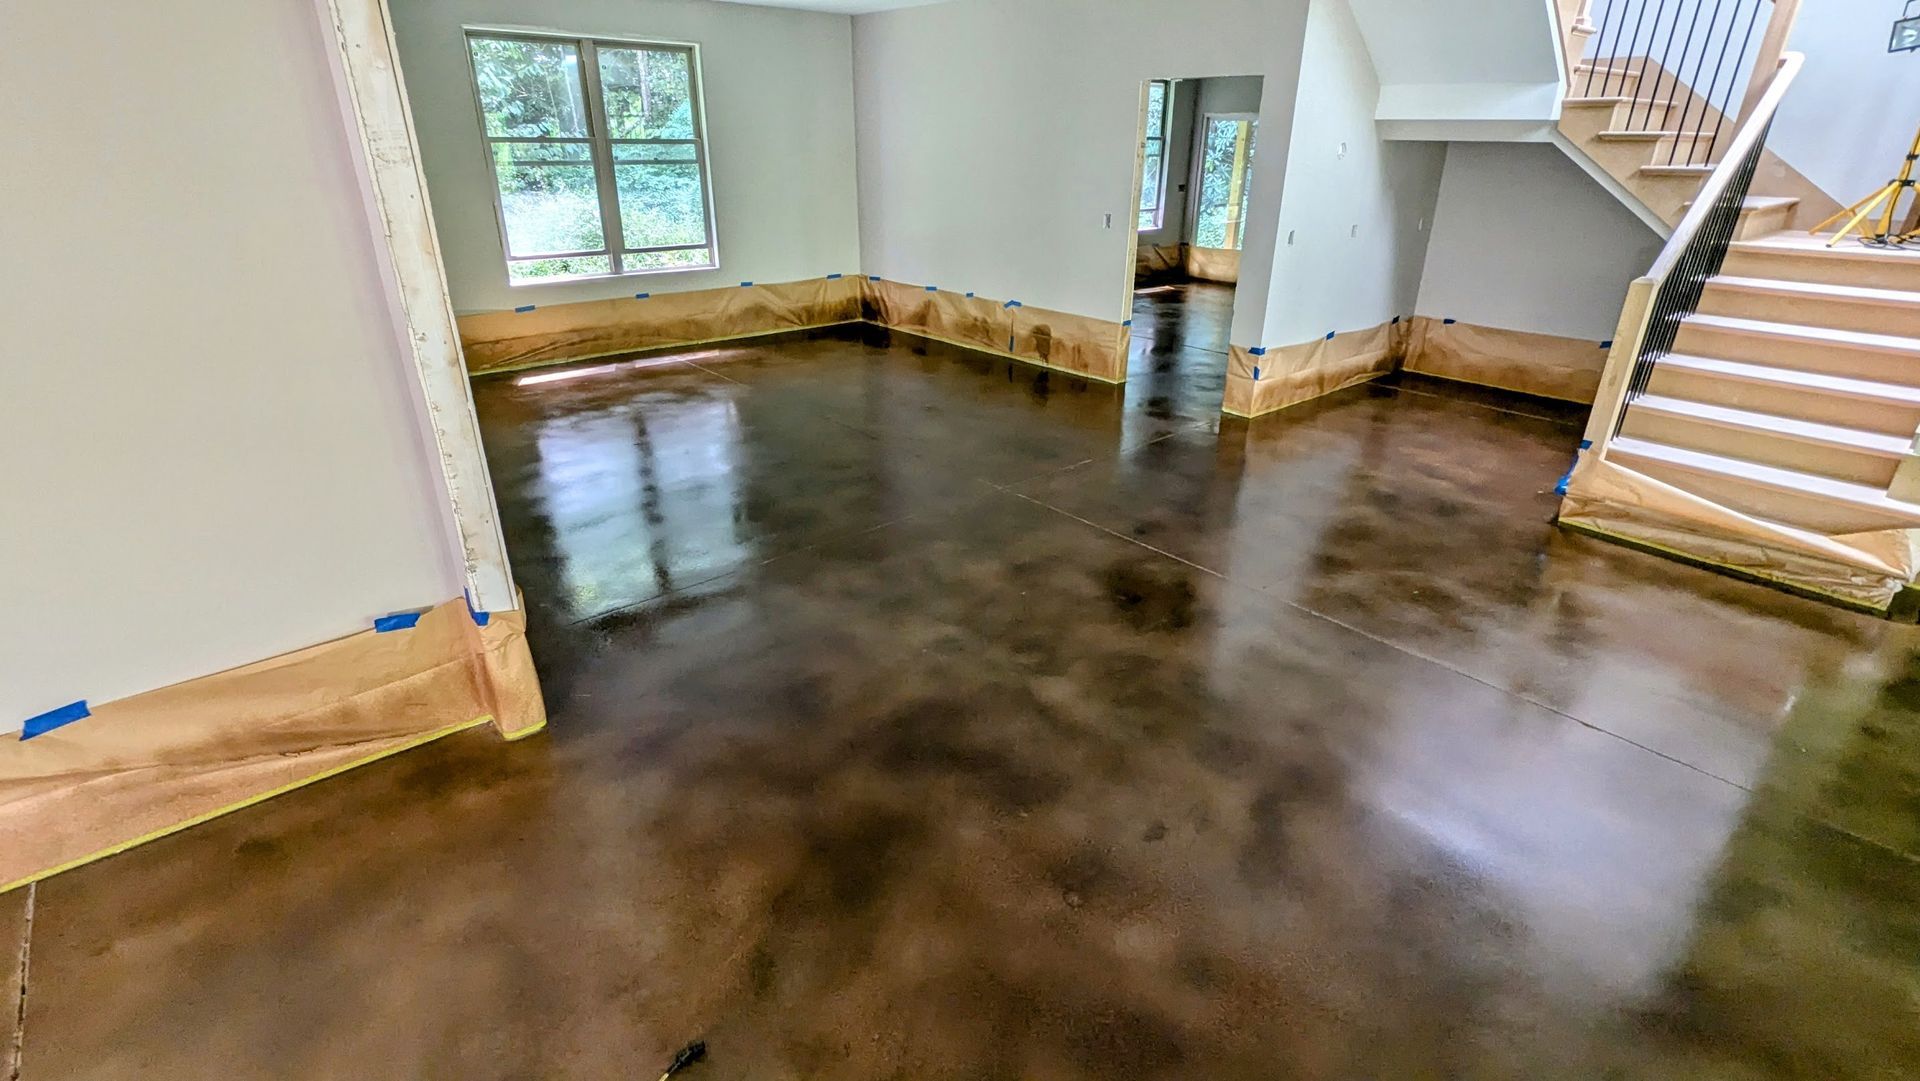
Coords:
pixel 1606 180
pixel 1803 500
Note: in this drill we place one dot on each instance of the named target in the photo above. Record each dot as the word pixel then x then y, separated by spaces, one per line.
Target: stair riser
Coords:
pixel 1689 433
pixel 1870 272
pixel 1622 116
pixel 1812 356
pixel 1887 418
pixel 1790 508
pixel 1834 313
pixel 1605 83
pixel 1755 224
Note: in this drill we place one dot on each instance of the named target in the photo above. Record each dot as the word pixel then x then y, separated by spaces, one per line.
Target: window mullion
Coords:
pixel 599 131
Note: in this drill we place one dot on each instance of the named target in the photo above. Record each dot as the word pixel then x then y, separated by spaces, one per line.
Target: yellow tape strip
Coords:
pixel 261 798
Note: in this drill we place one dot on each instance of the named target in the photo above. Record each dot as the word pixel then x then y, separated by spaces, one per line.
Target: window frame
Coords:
pixel 1148 138
pixel 601 146
pixel 1198 183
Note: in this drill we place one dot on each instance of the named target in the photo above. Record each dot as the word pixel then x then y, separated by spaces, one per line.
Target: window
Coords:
pixel 598 155
pixel 1226 181
pixel 1153 152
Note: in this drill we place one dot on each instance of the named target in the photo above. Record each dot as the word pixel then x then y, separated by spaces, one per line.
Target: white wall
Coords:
pixel 994 135
pixel 1332 276
pixel 212 453
pixel 1464 69
pixel 1523 240
pixel 779 111
pixel 1850 116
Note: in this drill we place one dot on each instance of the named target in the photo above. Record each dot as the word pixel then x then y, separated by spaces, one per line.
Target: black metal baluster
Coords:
pixel 1745 57
pixel 1610 28
pixel 1666 58
pixel 1691 79
pixel 1706 96
pixel 1633 42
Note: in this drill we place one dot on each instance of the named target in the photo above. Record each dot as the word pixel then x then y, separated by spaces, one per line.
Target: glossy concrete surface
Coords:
pixel 919 716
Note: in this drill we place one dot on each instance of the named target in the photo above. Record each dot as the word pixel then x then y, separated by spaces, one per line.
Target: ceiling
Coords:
pixel 839 7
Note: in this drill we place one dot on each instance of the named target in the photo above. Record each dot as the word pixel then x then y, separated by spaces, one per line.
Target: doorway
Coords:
pixel 1198 148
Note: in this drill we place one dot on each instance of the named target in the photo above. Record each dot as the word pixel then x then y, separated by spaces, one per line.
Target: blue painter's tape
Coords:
pixel 1560 489
pixel 1448 322
pixel 835 277
pixel 399 621
pixel 969 296
pixel 1013 304
pixel 54 718
pixel 933 289
pixel 1396 320
pixel 1258 350
pixel 1608 344
pixel 524 308
pixel 746 285
pixel 1330 335
pixel 480 619
pixel 1256 373
pixel 641 296
pixel 873 277
pixel 1127 323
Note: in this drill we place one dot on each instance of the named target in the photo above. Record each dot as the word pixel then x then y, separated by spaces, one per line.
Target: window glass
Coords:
pixel 1226 175
pixel 599 168
pixel 1153 152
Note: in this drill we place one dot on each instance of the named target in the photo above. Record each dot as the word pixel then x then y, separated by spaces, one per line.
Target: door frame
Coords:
pixel 373 101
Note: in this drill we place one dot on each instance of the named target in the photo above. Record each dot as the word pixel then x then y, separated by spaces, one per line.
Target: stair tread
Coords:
pixel 1756 203
pixel 1819 289
pixel 1627 135
pixel 1678 170
pixel 1844 386
pixel 1611 100
pixel 1795 242
pixel 1806 431
pixel 1811 485
pixel 1863 339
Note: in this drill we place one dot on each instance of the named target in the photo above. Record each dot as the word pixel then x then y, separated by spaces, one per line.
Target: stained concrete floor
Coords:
pixel 919 716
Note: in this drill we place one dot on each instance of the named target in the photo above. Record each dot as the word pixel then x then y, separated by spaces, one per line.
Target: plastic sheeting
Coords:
pixel 552 334
pixel 1866 569
pixel 1152 261
pixel 1213 265
pixel 1297 373
pixel 509 341
pixel 1542 364
pixel 149 765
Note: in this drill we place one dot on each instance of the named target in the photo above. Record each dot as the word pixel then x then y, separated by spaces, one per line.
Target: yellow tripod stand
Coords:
pixel 1890 195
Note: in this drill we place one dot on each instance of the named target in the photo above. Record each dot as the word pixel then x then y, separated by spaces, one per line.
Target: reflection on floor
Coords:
pixel 917 715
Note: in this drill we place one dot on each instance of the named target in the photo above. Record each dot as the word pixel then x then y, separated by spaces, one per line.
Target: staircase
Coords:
pixel 1654 90
pixel 1792 394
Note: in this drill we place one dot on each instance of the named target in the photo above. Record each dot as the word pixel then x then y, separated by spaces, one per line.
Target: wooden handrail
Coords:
pixel 1772 47
pixel 1751 130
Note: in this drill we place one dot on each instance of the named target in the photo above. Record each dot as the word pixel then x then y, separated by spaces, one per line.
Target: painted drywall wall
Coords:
pixel 1523 240
pixel 1352 240
pixel 996 135
pixel 1850 116
pixel 1181 115
pixel 1465 69
pixel 212 453
pixel 778 87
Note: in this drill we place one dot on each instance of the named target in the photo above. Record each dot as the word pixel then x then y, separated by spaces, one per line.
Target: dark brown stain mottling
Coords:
pixel 879 750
